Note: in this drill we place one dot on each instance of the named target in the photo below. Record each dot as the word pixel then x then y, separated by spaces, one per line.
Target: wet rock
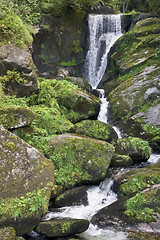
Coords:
pixel 88 158
pixel 75 196
pixel 19 59
pixel 96 129
pixel 12 118
pixel 25 184
pixel 63 227
pixel 136 148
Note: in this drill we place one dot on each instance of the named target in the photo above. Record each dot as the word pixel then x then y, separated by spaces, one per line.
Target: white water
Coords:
pixel 98 197
pixel 104 30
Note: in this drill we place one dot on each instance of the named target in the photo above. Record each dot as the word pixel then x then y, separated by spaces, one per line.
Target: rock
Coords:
pixel 62 73
pixel 131 80
pixel 75 196
pixel 75 103
pixel 136 148
pixel 80 82
pixel 63 227
pixel 7 233
pixel 96 129
pixel 121 161
pixel 25 183
pixel 88 158
pixel 19 59
pixel 12 118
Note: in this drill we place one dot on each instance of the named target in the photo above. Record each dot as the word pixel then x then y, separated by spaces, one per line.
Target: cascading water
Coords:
pixel 104 30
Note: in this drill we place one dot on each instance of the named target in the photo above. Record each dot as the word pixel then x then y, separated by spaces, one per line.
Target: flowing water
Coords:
pixel 104 30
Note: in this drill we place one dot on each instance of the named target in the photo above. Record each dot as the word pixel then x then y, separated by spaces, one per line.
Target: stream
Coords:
pixel 104 31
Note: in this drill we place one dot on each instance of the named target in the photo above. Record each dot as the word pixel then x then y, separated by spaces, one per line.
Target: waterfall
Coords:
pixel 104 30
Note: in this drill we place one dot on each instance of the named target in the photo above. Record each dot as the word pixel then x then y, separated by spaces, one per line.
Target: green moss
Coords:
pixel 69 63
pixel 13 30
pixel 143 206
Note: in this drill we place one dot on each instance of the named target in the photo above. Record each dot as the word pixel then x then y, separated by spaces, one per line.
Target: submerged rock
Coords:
pixel 25 183
pixel 63 227
pixel 88 159
pixel 12 118
pixel 96 129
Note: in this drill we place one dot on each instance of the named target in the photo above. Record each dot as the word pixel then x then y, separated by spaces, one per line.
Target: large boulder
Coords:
pixel 12 118
pixel 63 227
pixel 132 79
pixel 136 148
pixel 18 59
pixel 25 183
pixel 82 159
pixel 96 129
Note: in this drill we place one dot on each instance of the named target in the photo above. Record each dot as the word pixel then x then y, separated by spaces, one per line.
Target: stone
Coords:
pixel 25 184
pixel 121 161
pixel 12 118
pixel 75 196
pixel 19 59
pixel 8 233
pixel 96 129
pixel 63 227
pixel 136 148
pixel 88 158
pixel 80 82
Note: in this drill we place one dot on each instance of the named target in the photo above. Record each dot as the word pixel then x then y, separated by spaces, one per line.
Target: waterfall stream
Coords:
pixel 104 31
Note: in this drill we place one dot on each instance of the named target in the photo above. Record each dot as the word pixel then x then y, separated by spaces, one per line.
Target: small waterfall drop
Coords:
pixel 104 30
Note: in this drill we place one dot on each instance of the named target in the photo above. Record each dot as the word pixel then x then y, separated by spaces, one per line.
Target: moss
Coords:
pixel 95 129
pixel 13 30
pixel 79 159
pixel 143 206
pixel 32 203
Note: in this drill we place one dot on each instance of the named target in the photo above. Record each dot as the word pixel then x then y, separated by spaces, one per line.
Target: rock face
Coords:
pixel 18 59
pixel 135 88
pixel 136 148
pixel 63 227
pixel 96 129
pixel 12 118
pixel 138 203
pixel 88 158
pixel 25 184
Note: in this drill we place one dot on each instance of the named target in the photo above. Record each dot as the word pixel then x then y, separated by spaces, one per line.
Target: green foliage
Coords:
pixel 13 30
pixel 64 7
pixel 132 186
pixel 12 76
pixel 27 205
pixel 143 206
pixel 13 101
pixel 69 63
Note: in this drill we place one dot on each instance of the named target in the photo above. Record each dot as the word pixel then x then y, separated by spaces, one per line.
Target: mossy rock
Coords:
pixel 26 182
pixel 80 159
pixel 75 104
pixel 75 196
pixel 80 82
pixel 8 233
pixel 121 161
pixel 136 148
pixel 16 117
pixel 131 77
pixel 63 227
pixel 96 129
